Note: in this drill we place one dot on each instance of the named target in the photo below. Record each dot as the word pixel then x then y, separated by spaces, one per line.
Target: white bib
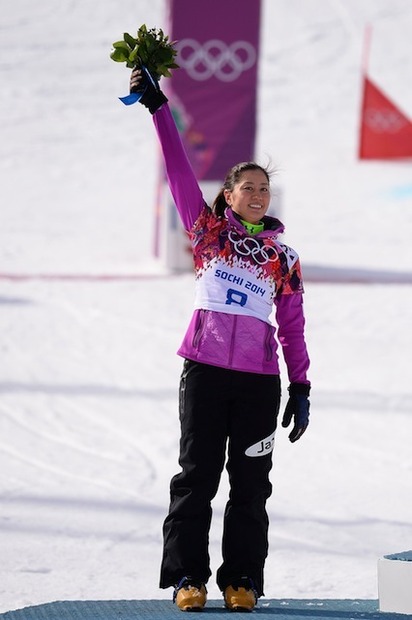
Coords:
pixel 235 290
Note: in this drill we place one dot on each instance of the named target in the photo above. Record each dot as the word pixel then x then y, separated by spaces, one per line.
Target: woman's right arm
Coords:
pixel 181 179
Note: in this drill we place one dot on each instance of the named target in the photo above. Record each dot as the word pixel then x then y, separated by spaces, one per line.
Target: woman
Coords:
pixel 230 385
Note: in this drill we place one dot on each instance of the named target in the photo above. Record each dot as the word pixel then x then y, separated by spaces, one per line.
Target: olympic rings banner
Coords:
pixel 213 94
pixel 385 132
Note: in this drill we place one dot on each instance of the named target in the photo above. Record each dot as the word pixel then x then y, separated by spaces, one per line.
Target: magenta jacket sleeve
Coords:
pixel 180 176
pixel 291 322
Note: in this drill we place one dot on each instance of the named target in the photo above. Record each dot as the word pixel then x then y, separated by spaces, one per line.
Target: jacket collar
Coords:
pixel 273 226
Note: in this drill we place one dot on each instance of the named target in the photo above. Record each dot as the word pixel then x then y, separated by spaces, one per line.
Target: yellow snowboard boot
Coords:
pixel 190 595
pixel 241 596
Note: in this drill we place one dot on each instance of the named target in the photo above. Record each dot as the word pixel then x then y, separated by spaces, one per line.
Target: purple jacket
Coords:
pixel 240 279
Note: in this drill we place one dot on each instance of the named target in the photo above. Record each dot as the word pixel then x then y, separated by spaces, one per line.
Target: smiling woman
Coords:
pixel 230 384
pixel 246 191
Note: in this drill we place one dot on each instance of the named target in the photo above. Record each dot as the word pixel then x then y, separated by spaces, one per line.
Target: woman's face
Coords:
pixel 250 197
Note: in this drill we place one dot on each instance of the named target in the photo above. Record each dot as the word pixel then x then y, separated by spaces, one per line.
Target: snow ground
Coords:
pixel 89 374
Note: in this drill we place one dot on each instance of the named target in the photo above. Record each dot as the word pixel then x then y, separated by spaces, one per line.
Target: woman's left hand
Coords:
pixel 297 408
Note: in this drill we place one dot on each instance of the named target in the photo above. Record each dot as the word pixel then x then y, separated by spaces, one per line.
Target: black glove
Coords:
pixel 145 85
pixel 297 408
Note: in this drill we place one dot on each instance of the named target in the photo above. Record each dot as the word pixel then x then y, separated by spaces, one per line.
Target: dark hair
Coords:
pixel 233 176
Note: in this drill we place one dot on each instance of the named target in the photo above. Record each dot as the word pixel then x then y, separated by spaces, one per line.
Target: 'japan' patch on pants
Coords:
pixel 263 447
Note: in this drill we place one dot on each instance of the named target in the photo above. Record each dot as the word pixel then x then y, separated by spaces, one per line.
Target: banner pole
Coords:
pixel 367 38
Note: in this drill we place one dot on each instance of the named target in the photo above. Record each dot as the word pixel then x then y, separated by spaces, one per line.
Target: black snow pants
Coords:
pixel 221 409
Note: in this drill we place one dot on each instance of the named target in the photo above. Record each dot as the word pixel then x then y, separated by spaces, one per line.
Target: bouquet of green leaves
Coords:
pixel 151 48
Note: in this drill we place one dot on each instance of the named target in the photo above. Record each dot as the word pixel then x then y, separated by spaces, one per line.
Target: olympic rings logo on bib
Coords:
pixel 215 59
pixel 259 252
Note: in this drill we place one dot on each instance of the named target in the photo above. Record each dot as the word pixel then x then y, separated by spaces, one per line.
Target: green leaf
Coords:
pixel 134 54
pixel 131 41
pixel 119 55
pixel 121 45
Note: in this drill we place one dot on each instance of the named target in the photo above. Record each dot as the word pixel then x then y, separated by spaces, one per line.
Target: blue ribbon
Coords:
pixel 130 99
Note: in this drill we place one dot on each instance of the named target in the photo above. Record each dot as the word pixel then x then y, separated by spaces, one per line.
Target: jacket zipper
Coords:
pixel 232 340
pixel 269 343
pixel 199 329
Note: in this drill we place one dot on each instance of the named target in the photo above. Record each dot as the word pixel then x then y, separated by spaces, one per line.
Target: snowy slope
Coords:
pixel 89 375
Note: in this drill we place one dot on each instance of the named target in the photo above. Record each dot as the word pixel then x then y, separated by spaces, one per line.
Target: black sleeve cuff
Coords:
pixel 299 388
